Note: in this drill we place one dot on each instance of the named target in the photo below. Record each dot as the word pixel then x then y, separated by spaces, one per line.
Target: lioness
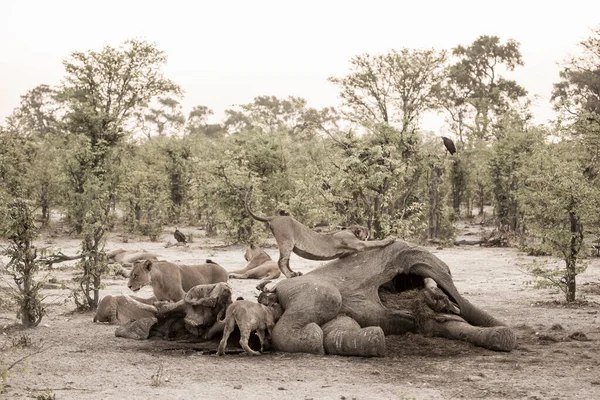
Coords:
pixel 123 309
pixel 292 236
pixel 169 281
pixel 128 257
pixel 260 265
pixel 249 316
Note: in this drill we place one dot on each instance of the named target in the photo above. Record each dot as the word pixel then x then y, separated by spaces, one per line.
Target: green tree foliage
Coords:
pixel 197 123
pixel 558 203
pixel 164 119
pixel 37 126
pixel 102 92
pixel 19 228
pixel 394 88
pixel 375 181
pixel 577 98
pixel 475 94
pixel 477 97
pixel 143 193
pixel 270 114
pixel 506 161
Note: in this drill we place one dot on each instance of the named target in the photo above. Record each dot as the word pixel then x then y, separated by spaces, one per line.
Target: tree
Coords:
pixel 474 93
pixel 375 180
pixel 19 228
pixel 38 123
pixel 505 162
pixel 560 205
pixel 165 119
pixel 102 92
pixel 291 115
pixel 477 98
pixel 577 98
pixel 394 88
pixel 197 123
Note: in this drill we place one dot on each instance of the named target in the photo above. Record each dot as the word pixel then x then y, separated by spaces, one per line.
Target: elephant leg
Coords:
pixel 499 338
pixel 229 326
pixel 308 303
pixel 291 338
pixel 345 337
pixel 244 339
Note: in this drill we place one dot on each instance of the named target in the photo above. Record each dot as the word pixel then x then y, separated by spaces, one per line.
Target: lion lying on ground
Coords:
pixel 249 316
pixel 260 265
pixel 292 236
pixel 170 281
pixel 123 309
pixel 127 257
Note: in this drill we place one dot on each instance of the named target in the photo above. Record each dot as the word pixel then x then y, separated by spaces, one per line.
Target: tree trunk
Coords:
pixel 575 247
pixel 434 202
pixel 377 227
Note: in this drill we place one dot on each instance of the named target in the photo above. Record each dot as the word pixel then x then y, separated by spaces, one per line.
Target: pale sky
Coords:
pixel 224 53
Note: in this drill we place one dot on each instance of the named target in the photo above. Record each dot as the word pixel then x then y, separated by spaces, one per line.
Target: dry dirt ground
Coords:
pixel 557 357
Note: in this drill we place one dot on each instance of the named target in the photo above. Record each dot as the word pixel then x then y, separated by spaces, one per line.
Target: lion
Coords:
pixel 126 258
pixel 123 309
pixel 293 236
pixel 260 265
pixel 249 316
pixel 170 281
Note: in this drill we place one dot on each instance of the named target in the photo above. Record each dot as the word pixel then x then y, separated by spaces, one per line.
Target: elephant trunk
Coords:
pixel 499 338
pixel 475 315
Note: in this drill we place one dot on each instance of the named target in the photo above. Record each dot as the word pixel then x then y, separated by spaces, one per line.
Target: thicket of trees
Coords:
pixel 114 137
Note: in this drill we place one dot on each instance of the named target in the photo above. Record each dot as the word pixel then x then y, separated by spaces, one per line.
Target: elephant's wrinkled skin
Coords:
pixel 197 313
pixel 351 287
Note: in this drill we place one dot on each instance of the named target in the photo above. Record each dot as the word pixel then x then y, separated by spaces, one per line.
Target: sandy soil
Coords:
pixel 83 360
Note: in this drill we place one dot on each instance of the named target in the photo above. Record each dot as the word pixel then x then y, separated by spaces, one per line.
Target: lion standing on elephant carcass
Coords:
pixel 292 236
pixel 346 307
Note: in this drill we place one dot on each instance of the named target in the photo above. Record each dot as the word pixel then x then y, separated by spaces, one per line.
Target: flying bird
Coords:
pixel 179 236
pixel 449 144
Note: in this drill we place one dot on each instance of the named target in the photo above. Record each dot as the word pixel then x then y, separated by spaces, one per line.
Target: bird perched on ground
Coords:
pixel 449 144
pixel 179 236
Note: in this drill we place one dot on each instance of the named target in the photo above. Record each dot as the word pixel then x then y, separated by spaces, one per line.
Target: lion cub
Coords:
pixel 249 316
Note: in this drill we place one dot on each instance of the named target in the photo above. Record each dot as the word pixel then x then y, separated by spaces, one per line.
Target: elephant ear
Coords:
pixel 148 265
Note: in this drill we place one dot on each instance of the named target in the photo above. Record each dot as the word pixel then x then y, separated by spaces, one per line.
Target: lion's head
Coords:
pixel 140 275
pixel 361 232
pixel 252 252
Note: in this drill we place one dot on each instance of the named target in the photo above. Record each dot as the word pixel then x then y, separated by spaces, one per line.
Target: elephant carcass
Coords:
pixel 196 315
pixel 201 308
pixel 365 287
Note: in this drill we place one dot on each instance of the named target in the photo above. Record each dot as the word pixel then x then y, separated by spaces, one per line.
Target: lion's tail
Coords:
pixel 256 217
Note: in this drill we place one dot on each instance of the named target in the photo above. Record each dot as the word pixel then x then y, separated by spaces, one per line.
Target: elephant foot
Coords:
pixel 344 336
pixel 308 339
